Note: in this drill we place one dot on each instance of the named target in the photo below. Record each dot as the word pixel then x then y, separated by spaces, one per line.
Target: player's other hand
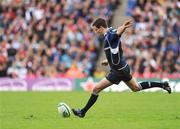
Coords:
pixel 128 23
pixel 104 63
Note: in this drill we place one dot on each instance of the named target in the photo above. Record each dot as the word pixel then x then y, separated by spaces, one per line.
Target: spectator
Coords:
pixel 155 39
pixel 44 38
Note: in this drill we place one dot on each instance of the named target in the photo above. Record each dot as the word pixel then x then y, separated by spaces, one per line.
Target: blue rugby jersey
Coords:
pixel 113 50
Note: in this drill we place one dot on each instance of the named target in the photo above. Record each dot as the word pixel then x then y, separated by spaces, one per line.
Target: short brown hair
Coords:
pixel 99 22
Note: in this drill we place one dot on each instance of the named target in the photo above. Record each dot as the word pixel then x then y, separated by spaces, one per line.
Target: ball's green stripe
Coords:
pixel 67 109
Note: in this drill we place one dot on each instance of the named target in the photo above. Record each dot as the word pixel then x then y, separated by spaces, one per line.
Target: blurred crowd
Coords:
pixel 152 46
pixel 50 38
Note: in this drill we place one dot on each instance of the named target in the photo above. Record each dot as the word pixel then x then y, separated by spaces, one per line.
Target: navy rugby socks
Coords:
pixel 90 102
pixel 147 85
pixel 143 85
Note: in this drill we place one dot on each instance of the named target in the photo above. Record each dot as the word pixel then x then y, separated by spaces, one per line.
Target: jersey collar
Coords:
pixel 105 34
pixel 107 31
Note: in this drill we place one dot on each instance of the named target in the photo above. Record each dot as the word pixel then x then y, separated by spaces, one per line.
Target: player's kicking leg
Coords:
pixel 98 88
pixel 135 86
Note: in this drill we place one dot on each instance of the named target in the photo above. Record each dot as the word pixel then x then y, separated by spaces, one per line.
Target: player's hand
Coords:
pixel 104 63
pixel 128 23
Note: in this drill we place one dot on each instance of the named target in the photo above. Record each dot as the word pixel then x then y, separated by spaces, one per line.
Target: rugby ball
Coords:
pixel 64 110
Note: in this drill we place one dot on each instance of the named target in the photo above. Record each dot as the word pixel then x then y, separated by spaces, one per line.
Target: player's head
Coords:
pixel 99 26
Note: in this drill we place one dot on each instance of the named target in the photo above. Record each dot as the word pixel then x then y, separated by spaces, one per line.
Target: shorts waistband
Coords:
pixel 122 67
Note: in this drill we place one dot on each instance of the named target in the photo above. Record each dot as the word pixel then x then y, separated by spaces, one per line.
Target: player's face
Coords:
pixel 98 31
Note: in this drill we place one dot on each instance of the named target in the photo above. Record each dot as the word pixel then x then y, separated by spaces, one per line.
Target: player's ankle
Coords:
pixel 83 111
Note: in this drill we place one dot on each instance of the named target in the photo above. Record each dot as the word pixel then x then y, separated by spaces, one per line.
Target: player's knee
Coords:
pixel 135 89
pixel 96 90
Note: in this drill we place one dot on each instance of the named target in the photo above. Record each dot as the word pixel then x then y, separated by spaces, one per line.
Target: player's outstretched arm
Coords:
pixel 128 23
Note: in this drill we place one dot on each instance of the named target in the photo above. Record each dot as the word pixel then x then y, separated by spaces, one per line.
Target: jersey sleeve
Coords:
pixel 113 37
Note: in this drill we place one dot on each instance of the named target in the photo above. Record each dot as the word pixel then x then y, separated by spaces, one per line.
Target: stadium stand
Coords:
pixel 152 47
pixel 50 38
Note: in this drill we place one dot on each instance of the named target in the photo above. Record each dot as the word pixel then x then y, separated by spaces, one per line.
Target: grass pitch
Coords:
pixel 38 110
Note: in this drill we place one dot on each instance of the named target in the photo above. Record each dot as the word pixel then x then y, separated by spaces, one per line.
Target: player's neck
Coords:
pixel 105 31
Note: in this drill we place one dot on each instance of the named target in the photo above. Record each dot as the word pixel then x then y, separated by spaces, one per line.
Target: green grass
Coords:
pixel 37 110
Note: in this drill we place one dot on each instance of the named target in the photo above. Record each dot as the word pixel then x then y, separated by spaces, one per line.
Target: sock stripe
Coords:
pixel 94 93
pixel 140 87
